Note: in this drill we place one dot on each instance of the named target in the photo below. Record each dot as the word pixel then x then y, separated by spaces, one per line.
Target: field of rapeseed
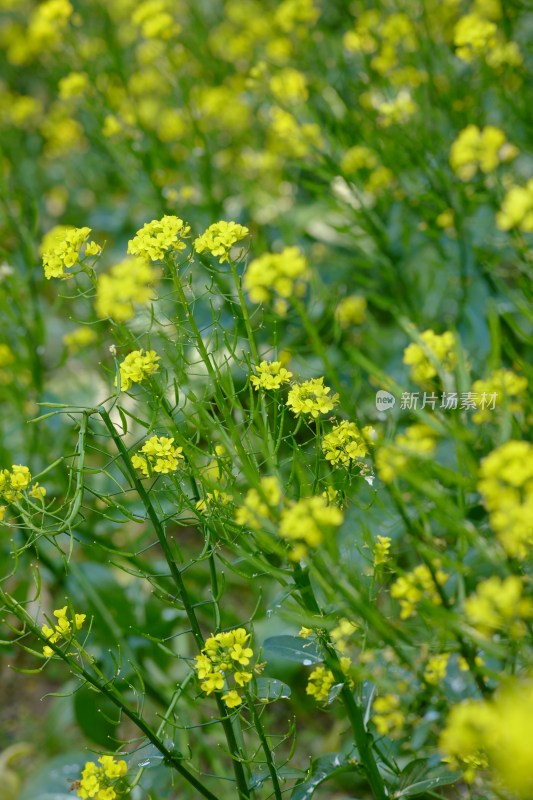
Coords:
pixel 266 483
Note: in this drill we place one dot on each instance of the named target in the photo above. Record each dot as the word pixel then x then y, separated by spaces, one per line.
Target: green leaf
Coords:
pixel 52 781
pixel 95 714
pixel 271 689
pixel 419 777
pixel 292 648
pixel 324 769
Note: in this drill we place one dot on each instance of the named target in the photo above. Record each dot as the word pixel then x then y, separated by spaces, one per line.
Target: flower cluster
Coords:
pixel 225 655
pixel 499 605
pixel 63 251
pixel 158 237
pixel 507 385
pixel 479 149
pixel 219 238
pixel 311 397
pixel 79 338
pixel 388 716
pixel 417 586
pixel 322 679
pixel 136 367
pixel 158 455
pixel 306 521
pixel 15 481
pixel 125 285
pixel 393 459
pixel 63 628
pixel 478 37
pixel 506 484
pixel 382 550
pixel 346 443
pixel 435 670
pixel 351 311
pixel 259 504
pixel 280 275
pixel 270 375
pixel 99 782
pixel 517 209
pixel 435 351
pixel 494 733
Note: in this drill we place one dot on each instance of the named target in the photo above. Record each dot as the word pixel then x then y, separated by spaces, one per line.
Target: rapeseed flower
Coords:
pixel 311 397
pixel 159 237
pixel 158 456
pixel 270 375
pixel 219 238
pixel 137 366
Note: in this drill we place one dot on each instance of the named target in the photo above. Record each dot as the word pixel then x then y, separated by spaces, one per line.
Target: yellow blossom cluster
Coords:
pixel 305 522
pixel 63 628
pixel 322 679
pixel 382 550
pixel 277 276
pixel 137 366
pixel 499 605
pixel 393 459
pixel 416 587
pixel 351 311
pixel 311 397
pixel 79 338
pixel 219 238
pixel 63 251
pixel 517 209
pixel 387 715
pixel 216 497
pixel 259 504
pixel 506 385
pixel 158 455
pixel 225 655
pixel 98 782
pixel 159 237
pixel 270 375
pixel 476 149
pixel 494 733
pixel 506 484
pixel 477 37
pixel 155 19
pixel 342 633
pixel 436 351
pixel 435 669
pixel 346 443
pixel 15 481
pixel 383 37
pixel 127 284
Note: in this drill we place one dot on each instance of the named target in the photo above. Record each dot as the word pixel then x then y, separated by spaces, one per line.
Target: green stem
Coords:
pixel 265 745
pixel 240 777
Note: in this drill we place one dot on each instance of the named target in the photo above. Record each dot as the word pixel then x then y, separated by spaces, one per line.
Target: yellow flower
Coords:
pixel 136 367
pixel 258 503
pixel 232 699
pixel 270 375
pixel 415 587
pixel 503 385
pixel 79 338
pixel 306 521
pixel 381 550
pixel 499 605
pixel 64 252
pixel 387 715
pixel 311 397
pixel 517 209
pixel 276 275
pixel 435 670
pixel 345 444
pixel 127 284
pixel 158 237
pixel 506 485
pixel 479 149
pixel 159 455
pixel 434 348
pixel 219 238
pixel 351 311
